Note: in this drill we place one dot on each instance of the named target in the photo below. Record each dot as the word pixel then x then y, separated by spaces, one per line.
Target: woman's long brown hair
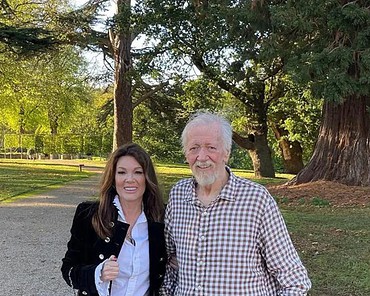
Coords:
pixel 152 199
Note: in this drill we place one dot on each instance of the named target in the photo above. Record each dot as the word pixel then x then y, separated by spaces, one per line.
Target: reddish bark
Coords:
pixel 342 152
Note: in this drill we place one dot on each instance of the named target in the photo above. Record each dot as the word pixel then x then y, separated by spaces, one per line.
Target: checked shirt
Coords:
pixel 237 245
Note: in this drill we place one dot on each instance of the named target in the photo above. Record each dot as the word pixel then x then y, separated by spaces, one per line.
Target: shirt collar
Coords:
pixel 121 216
pixel 227 192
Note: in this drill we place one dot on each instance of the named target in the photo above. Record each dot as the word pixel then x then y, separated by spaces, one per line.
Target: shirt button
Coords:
pixel 107 239
pixel 202 237
pixel 199 287
pixel 205 213
pixel 101 256
pixel 84 293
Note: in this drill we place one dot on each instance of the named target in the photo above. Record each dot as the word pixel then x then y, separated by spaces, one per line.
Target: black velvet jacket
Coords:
pixel 86 250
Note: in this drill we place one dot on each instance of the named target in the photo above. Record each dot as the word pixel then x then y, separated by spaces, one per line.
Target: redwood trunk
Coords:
pixel 342 152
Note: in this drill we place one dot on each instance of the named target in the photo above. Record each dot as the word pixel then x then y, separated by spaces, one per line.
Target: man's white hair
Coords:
pixel 207 118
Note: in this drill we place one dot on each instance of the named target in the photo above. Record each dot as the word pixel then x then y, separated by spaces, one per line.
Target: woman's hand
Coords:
pixel 110 269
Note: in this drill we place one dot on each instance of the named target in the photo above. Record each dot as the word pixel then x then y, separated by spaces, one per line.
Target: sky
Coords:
pixel 94 59
pixel 78 3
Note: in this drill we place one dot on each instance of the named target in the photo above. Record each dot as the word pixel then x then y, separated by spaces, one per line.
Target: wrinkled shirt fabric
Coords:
pixel 237 245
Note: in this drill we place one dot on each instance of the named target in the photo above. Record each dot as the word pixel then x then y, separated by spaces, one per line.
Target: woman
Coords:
pixel 117 244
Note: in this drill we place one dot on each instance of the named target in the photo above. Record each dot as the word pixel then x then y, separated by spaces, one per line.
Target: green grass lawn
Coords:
pixel 20 179
pixel 334 243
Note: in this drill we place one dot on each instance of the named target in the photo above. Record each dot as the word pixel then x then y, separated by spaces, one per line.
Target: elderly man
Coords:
pixel 226 232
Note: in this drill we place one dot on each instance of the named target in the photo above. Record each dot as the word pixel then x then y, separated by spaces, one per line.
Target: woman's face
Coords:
pixel 129 180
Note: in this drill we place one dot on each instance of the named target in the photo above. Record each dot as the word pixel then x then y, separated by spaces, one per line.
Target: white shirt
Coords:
pixel 133 261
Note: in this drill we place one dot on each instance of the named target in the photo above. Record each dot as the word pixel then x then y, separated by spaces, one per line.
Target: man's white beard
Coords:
pixel 203 178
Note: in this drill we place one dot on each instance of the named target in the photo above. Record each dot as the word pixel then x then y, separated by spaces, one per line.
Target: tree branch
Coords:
pixel 243 142
pixel 150 93
pixel 239 94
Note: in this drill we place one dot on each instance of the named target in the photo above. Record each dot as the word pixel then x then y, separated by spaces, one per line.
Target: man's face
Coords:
pixel 205 153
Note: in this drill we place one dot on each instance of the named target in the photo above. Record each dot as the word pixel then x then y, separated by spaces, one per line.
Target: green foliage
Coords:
pixel 318 201
pixel 163 141
pixel 299 114
pixel 74 145
pixel 239 158
pixel 44 92
pixel 332 45
pixel 23 28
pixel 165 115
pixel 239 49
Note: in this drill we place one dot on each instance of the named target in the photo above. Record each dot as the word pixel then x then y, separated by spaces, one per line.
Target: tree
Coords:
pixel 38 90
pixel 115 40
pixel 295 120
pixel 42 92
pixel 121 42
pixel 235 45
pixel 23 28
pixel 333 47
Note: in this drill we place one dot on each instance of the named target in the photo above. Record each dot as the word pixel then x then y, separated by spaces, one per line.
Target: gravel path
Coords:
pixel 34 239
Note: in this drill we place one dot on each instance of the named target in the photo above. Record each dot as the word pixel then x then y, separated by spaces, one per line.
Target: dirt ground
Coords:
pixel 338 195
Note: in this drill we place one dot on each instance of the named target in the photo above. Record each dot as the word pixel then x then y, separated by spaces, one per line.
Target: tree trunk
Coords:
pixel 53 122
pixel 123 107
pixel 291 151
pixel 22 120
pixel 342 152
pixel 261 157
pixel 259 151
